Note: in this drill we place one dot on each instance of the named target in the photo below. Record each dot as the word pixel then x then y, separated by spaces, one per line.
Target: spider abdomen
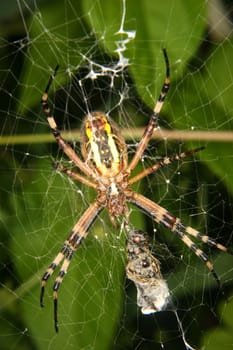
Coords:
pixel 103 147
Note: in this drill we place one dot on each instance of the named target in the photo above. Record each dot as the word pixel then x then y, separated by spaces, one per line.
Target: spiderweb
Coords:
pixel 110 57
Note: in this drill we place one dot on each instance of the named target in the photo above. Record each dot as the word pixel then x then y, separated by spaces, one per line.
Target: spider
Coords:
pixel 105 168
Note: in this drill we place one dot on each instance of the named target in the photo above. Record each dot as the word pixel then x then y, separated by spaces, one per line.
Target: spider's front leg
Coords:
pixel 78 233
pixel 153 120
pixel 67 149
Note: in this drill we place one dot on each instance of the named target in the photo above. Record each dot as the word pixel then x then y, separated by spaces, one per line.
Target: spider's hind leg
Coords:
pixel 59 279
pixel 51 269
pixel 174 224
pixel 78 233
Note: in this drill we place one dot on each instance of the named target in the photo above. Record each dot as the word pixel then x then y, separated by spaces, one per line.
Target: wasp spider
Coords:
pixel 105 168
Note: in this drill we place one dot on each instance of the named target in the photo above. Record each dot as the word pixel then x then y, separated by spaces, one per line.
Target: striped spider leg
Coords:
pixel 78 233
pixel 174 224
pixel 162 163
pixel 67 149
pixel 153 123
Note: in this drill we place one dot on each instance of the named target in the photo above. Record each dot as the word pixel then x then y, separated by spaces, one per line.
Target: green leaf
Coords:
pixel 203 102
pixel 55 36
pixel 46 207
pixel 178 26
pixel 221 337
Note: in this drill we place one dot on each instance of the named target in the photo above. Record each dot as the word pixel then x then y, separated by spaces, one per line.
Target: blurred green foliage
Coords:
pixel 38 207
